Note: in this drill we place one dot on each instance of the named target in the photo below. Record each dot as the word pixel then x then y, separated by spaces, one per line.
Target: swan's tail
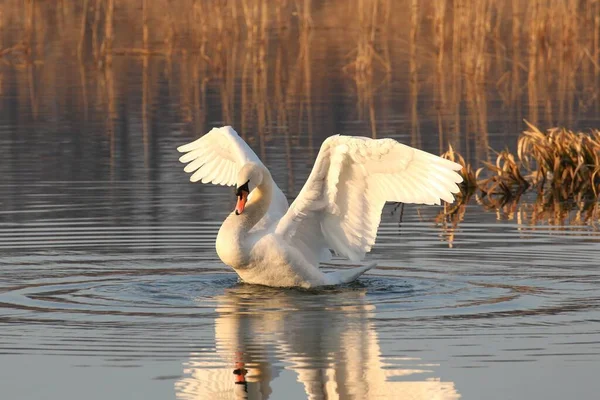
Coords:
pixel 348 275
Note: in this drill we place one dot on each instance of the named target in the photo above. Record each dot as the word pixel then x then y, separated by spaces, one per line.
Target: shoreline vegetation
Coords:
pixel 558 170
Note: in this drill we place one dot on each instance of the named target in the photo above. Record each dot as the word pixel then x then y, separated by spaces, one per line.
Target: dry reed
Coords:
pixel 542 58
pixel 506 179
pixel 567 162
pixel 469 183
pixel 564 167
pixel 453 214
pixel 562 161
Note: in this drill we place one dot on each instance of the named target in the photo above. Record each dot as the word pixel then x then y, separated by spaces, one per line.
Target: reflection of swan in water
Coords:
pixel 327 340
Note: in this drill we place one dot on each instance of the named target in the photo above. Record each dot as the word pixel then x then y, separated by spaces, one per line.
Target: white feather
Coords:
pixel 350 182
pixel 222 145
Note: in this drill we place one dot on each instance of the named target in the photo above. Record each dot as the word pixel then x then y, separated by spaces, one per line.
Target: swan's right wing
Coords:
pixel 340 205
pixel 218 156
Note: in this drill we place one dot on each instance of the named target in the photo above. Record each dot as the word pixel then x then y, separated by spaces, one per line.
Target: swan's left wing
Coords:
pixel 340 205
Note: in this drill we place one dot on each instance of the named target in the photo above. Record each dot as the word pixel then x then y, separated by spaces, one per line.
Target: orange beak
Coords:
pixel 241 202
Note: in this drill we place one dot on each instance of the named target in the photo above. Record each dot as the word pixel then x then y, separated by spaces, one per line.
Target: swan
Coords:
pixel 339 208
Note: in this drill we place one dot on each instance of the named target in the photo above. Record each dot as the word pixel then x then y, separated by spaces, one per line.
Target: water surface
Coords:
pixel 113 289
pixel 110 286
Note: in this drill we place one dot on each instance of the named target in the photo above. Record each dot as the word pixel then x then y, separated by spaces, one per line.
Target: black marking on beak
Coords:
pixel 244 188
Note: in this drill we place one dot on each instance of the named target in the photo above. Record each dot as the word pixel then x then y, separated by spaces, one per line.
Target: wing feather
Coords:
pixel 340 205
pixel 217 156
pixel 202 171
pixel 225 176
pixel 216 170
pixel 194 165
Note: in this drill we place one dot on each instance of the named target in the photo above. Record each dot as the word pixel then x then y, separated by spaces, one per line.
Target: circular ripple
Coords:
pixel 171 309
pixel 144 294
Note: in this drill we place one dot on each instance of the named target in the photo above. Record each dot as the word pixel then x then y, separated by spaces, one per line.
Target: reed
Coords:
pixel 561 160
pixel 564 162
pixel 478 60
pixel 563 166
pixel 469 183
pixel 506 179
pixel 454 213
pixel 370 66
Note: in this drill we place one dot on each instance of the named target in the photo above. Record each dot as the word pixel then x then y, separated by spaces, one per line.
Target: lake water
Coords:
pixel 112 289
pixel 110 286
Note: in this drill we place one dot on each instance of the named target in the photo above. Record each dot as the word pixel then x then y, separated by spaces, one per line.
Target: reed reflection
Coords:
pixel 459 72
pixel 327 340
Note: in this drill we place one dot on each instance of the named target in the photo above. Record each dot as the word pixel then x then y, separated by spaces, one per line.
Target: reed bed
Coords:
pixel 469 183
pixel 559 161
pixel 562 167
pixel 468 187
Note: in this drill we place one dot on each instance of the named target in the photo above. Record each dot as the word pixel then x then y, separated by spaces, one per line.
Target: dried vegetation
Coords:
pixel 561 166
pixel 561 162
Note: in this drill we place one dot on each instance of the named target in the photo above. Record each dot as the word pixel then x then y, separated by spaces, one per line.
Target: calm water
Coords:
pixel 113 290
pixel 110 286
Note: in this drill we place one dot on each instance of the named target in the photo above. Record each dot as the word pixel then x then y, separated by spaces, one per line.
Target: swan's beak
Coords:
pixel 241 202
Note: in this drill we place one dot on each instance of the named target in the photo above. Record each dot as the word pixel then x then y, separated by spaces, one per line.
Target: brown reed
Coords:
pixel 564 167
pixel 506 179
pixel 566 162
pixel 469 183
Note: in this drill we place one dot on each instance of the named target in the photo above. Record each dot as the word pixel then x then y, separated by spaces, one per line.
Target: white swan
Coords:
pixel 339 207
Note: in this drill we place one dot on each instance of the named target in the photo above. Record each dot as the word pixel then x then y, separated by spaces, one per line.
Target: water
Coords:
pixel 114 290
pixel 110 286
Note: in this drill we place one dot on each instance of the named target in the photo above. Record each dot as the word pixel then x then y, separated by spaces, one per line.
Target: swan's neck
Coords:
pixel 233 246
pixel 257 206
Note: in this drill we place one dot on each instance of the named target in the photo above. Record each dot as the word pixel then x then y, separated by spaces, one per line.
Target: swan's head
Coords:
pixel 249 177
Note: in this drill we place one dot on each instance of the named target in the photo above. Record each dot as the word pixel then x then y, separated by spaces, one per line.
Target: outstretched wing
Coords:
pixel 341 202
pixel 218 156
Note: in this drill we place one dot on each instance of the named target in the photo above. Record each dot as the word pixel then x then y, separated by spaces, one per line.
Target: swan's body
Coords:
pixel 339 207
